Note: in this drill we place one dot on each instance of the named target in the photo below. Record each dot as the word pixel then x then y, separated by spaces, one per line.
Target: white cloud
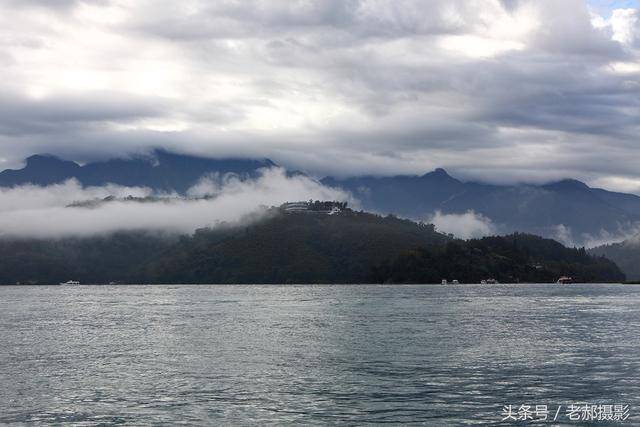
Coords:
pixel 32 197
pixel 468 225
pixel 565 235
pixel 31 211
pixel 621 183
pixel 625 25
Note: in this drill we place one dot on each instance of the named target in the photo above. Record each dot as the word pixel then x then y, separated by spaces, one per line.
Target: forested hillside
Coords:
pixel 293 248
pixel 348 247
pixel 625 254
pixel 511 259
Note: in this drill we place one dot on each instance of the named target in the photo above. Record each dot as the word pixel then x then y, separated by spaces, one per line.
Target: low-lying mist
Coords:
pixel 468 225
pixel 625 232
pixel 43 212
pixel 57 211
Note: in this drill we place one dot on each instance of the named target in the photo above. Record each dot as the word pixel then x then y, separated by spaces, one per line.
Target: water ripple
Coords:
pixel 272 355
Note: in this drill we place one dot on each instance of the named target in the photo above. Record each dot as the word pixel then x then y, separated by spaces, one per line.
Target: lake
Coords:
pixel 315 354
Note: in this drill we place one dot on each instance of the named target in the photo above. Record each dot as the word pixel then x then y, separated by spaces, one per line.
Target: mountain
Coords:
pixel 411 196
pixel 40 170
pixel 293 248
pixel 625 254
pixel 113 257
pixel 513 258
pixel 281 247
pixel 163 171
pixel 566 208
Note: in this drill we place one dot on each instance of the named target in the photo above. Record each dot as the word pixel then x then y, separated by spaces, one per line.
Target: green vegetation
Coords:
pixel 349 247
pixel 100 259
pixel 293 248
pixel 625 254
pixel 511 259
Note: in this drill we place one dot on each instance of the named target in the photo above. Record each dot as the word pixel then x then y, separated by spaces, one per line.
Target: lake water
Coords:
pixel 436 355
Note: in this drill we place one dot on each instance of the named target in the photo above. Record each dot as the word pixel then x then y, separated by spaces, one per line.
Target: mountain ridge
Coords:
pixel 625 254
pixel 567 209
pixel 566 206
pixel 161 170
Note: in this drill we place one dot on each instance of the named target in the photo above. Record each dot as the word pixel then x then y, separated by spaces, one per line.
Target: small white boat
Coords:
pixel 483 282
pixel 444 281
pixel 455 282
pixel 564 280
pixel 70 282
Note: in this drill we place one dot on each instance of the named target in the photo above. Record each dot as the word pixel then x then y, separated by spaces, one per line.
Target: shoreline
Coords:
pixel 316 284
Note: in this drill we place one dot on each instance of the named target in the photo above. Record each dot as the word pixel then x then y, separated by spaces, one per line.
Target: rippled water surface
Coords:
pixel 436 355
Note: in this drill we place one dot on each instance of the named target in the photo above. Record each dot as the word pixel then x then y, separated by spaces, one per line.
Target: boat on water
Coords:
pixel 444 281
pixel 455 282
pixel 70 282
pixel 564 280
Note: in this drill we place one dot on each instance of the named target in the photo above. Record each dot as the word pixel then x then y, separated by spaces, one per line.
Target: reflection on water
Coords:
pixel 313 354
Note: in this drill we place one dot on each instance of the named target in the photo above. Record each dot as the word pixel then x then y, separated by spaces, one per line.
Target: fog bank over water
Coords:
pixel 31 211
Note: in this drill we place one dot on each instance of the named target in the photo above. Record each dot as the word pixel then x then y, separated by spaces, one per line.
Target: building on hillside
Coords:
pixel 317 207
pixel 295 207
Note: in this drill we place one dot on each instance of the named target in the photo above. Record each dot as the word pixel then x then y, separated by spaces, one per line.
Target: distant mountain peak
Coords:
pixel 440 174
pixel 160 169
pixel 46 159
pixel 440 171
pixel 36 157
pixel 567 184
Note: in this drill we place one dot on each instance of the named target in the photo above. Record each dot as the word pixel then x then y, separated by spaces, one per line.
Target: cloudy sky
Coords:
pixel 499 90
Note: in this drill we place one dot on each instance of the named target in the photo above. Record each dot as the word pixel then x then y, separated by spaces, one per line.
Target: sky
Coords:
pixel 494 90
